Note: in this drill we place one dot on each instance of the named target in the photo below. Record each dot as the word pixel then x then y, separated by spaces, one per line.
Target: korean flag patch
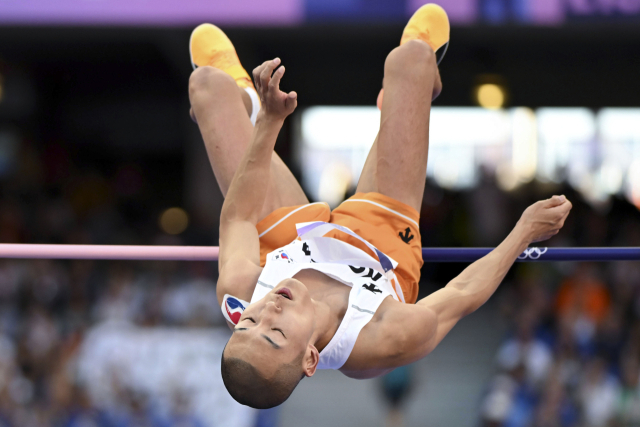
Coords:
pixel 232 308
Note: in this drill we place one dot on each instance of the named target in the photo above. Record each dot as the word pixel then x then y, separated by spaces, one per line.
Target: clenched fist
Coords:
pixel 275 103
pixel 545 218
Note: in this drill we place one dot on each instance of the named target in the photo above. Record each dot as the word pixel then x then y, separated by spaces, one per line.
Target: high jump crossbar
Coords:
pixel 210 253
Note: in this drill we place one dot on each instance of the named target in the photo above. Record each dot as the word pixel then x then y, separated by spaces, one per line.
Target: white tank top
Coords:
pixel 370 280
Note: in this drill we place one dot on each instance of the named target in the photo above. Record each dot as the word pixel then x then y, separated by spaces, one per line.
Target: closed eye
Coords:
pixel 279 330
pixel 273 329
pixel 243 328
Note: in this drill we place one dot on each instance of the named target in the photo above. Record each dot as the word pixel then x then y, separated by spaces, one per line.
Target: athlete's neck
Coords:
pixel 330 299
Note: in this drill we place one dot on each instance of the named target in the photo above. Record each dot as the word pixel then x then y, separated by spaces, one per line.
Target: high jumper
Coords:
pixel 307 288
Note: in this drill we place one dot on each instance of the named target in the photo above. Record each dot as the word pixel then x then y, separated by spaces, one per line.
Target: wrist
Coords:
pixel 267 119
pixel 522 232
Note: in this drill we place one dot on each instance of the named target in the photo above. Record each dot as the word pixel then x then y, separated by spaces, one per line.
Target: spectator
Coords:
pixel 628 401
pixel 583 302
pixel 396 386
pixel 556 408
pixel 597 394
pixel 525 350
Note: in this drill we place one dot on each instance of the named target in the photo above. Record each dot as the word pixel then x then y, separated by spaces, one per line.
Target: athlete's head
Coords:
pixel 272 347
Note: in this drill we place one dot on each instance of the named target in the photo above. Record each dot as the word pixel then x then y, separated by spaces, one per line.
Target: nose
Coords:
pixel 271 306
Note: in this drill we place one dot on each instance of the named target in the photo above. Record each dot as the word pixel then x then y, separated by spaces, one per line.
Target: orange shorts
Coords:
pixel 387 224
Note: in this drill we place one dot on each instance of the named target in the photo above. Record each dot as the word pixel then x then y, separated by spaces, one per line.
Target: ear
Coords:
pixel 310 360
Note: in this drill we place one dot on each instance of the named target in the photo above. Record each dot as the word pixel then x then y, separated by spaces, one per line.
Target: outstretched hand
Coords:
pixel 545 218
pixel 275 103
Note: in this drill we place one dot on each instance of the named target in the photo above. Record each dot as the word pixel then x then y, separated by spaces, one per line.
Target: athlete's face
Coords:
pixel 276 330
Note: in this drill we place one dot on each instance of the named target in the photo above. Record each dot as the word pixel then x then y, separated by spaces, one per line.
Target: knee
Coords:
pixel 414 56
pixel 208 79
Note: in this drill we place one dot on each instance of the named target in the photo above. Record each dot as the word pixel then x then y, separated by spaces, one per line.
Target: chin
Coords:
pixel 299 291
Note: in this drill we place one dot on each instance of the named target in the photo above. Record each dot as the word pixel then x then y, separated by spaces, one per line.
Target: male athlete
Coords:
pixel 332 289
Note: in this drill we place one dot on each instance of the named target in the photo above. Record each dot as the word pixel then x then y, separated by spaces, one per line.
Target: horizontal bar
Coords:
pixel 534 254
pixel 210 253
pixel 139 253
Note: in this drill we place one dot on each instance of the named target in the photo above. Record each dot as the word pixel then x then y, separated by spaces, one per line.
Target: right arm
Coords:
pixel 406 333
pixel 474 286
pixel 239 257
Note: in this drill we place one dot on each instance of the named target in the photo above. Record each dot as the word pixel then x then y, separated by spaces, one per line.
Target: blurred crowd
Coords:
pixel 48 307
pixel 572 357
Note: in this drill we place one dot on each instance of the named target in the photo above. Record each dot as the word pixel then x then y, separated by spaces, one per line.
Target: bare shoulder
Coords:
pixel 238 277
pixel 386 342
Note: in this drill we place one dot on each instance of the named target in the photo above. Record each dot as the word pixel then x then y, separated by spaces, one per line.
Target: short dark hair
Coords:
pixel 248 387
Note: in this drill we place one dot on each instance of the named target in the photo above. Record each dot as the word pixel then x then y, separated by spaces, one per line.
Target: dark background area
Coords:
pixel 99 83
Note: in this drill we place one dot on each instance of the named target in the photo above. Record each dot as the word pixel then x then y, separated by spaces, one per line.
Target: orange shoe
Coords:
pixel 210 46
pixel 430 24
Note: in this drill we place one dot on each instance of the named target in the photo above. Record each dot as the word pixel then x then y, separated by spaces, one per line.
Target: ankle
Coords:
pixel 254 106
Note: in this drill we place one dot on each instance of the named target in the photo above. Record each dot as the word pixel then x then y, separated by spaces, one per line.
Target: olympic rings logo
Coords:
pixel 532 253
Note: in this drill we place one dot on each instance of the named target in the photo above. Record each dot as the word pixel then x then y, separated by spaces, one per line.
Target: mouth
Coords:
pixel 285 293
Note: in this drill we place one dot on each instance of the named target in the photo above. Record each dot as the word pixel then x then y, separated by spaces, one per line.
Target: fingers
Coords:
pixel 291 102
pixel 267 84
pixel 256 75
pixel 560 208
pixel 555 201
pixel 559 215
pixel 274 84
pixel 547 217
pixel 262 73
pixel 267 70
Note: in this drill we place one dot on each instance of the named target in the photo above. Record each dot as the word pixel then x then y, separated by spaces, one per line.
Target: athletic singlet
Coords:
pixel 370 280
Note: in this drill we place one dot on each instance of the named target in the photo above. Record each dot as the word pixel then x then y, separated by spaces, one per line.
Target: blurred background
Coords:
pixel 540 97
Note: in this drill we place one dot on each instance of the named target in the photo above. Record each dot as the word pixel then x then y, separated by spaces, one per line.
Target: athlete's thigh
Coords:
pixel 402 145
pixel 227 131
pixel 284 189
pixel 368 182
